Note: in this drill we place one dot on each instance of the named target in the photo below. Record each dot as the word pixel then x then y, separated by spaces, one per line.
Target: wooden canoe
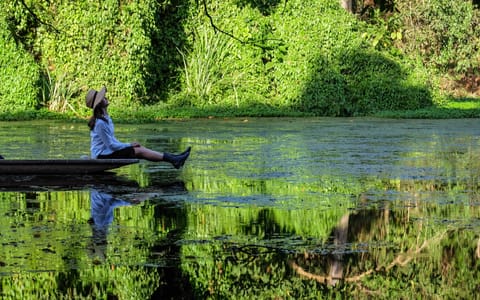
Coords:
pixel 61 166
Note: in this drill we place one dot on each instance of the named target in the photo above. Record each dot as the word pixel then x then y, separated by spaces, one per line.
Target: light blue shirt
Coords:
pixel 102 207
pixel 102 139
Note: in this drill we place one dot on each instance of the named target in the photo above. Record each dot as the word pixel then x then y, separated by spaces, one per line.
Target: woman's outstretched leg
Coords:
pixel 145 153
pixel 176 160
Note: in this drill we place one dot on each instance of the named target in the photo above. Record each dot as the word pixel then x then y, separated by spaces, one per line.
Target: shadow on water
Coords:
pixel 37 182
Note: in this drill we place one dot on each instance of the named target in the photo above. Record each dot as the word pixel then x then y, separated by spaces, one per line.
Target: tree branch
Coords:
pixel 401 260
pixel 34 15
pixel 216 28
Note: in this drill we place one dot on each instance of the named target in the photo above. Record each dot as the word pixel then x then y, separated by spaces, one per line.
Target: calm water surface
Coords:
pixel 270 208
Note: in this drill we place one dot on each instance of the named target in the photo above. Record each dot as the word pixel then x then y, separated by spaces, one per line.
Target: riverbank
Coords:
pixel 454 109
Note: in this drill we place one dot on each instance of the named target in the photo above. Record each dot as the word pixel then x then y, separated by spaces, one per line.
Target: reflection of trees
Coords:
pixel 410 244
pixel 337 262
pixel 418 255
pixel 140 251
pixel 371 251
pixel 173 283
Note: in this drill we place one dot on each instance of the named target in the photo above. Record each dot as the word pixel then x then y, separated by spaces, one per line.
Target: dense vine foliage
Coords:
pixel 19 74
pixel 305 56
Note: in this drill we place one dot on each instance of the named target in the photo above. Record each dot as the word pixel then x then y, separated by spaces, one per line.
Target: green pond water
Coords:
pixel 264 208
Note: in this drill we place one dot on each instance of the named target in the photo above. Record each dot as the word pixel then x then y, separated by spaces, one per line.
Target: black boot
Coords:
pixel 176 160
pixel 185 152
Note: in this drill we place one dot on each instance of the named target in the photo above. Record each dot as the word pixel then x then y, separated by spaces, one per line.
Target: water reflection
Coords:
pixel 102 214
pixel 35 182
pixel 275 208
pixel 349 243
pixel 363 250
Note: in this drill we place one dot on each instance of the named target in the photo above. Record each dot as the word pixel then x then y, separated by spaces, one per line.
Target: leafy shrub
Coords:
pixel 205 66
pixel 19 74
pixel 309 56
pixel 445 33
pixel 129 46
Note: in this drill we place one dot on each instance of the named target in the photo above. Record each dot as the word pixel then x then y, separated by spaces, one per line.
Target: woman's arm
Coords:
pixel 105 132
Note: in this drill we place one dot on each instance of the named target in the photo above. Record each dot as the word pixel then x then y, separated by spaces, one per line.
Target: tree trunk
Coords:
pixel 347 5
pixel 340 240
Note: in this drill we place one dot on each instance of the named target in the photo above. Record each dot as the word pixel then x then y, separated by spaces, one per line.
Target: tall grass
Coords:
pixel 58 93
pixel 206 66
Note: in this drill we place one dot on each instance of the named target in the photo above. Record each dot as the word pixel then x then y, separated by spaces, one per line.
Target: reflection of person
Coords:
pixel 102 206
pixel 105 145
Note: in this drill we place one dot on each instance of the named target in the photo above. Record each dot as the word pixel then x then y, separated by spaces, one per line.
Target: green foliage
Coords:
pixel 19 74
pixel 205 67
pixel 58 93
pixel 294 59
pixel 378 82
pixel 127 46
pixel 445 33
pixel 260 58
pixel 98 44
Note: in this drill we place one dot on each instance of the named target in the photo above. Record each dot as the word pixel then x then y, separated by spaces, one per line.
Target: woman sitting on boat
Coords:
pixel 105 145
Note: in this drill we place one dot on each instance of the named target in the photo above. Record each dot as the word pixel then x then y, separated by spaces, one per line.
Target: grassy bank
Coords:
pixel 465 108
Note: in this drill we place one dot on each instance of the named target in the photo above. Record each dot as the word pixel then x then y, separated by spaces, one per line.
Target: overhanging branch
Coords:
pixel 217 29
pixel 34 15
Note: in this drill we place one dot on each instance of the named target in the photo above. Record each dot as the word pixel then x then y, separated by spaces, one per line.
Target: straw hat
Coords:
pixel 95 97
